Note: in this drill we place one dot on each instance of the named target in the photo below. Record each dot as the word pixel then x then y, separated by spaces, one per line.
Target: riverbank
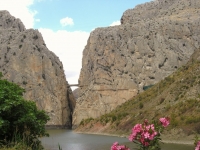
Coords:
pixel 174 135
pixel 173 139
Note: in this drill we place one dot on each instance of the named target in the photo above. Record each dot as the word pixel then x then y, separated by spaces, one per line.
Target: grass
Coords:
pixel 18 146
pixel 19 142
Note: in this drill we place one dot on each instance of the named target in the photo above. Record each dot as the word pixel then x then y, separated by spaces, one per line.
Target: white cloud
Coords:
pixel 68 46
pixel 115 23
pixel 19 9
pixel 66 21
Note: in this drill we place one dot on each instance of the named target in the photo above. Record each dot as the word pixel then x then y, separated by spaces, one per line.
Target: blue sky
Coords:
pixel 66 24
pixel 86 14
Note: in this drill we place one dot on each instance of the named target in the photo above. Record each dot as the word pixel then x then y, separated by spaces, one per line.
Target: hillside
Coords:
pixel 176 96
pixel 153 40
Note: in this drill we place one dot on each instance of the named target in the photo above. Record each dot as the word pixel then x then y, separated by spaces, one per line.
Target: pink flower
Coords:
pixel 152 135
pixel 137 128
pixel 146 135
pixel 132 137
pixel 152 127
pixel 116 146
pixel 198 146
pixel 164 121
pixel 147 127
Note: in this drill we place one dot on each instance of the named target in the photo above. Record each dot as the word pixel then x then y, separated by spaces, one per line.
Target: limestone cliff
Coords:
pixel 153 40
pixel 25 60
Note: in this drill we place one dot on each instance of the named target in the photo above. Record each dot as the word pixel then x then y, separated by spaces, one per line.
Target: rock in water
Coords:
pixel 153 40
pixel 25 60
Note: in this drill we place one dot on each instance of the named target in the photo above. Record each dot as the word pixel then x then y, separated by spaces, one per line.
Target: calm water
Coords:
pixel 70 140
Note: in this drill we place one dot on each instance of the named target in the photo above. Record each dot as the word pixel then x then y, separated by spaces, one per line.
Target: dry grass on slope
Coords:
pixel 176 96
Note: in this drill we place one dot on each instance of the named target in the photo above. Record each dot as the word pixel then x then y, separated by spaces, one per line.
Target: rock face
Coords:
pixel 153 40
pixel 76 93
pixel 25 60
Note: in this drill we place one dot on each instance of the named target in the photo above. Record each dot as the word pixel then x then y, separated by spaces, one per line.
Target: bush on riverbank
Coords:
pixel 21 123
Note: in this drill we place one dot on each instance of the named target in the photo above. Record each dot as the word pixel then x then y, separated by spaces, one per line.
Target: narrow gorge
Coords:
pixel 153 40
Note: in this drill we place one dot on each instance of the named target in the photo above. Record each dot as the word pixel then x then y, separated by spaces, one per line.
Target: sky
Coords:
pixel 66 24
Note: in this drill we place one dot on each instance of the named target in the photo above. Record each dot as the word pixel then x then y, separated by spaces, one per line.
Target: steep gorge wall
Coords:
pixel 154 39
pixel 25 60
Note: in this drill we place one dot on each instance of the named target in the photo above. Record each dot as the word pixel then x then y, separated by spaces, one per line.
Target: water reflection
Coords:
pixel 69 140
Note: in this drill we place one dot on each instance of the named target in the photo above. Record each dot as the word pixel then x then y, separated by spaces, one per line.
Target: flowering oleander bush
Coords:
pixel 146 135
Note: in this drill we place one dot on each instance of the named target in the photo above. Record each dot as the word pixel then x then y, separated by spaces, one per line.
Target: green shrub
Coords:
pixel 18 117
pixel 113 118
pixel 86 121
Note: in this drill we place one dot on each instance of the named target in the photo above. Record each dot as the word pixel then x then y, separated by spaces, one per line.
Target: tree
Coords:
pixel 18 117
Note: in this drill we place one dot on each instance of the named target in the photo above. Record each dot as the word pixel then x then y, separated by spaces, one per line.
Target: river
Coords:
pixel 70 140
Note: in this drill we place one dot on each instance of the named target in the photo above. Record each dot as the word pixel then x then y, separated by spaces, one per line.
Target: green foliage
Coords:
pixel 86 121
pixel 18 117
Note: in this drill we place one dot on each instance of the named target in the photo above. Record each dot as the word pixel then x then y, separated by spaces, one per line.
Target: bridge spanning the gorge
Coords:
pixel 73 85
pixel 78 85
